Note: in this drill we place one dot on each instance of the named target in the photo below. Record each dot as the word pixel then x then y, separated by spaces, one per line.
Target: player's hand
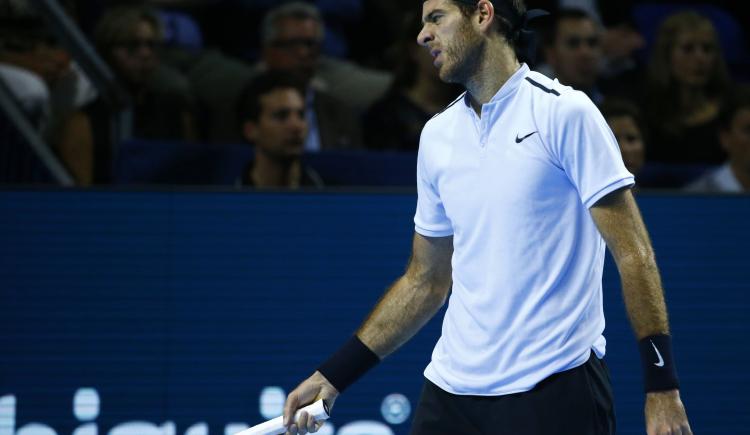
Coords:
pixel 665 414
pixel 311 390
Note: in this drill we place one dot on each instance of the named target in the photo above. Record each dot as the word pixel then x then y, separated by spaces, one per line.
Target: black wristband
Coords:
pixel 659 373
pixel 348 364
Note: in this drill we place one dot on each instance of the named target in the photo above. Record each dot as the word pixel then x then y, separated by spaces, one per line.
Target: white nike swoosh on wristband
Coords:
pixel 661 361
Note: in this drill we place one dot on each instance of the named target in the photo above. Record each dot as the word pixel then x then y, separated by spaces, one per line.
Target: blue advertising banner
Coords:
pixel 177 312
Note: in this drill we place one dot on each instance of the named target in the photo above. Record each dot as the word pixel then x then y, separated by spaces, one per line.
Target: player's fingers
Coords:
pixel 319 424
pixel 311 424
pixel 290 407
pixel 302 423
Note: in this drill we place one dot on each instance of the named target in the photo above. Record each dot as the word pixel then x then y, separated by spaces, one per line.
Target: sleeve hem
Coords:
pixel 432 233
pixel 609 188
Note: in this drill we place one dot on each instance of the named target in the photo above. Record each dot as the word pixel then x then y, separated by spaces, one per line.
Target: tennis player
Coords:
pixel 520 184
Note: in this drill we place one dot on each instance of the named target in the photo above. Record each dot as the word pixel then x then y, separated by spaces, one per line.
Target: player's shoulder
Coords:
pixel 449 113
pixel 443 124
pixel 555 97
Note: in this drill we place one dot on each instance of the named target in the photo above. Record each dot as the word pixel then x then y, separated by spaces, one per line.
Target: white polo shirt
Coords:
pixel 514 189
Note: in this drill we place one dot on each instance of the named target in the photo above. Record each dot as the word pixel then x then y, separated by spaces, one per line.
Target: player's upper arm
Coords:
pixel 584 147
pixel 430 263
pixel 619 221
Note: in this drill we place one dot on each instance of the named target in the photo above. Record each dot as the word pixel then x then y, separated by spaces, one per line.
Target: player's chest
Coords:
pixel 510 173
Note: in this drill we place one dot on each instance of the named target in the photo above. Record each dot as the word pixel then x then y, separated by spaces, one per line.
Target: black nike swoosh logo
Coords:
pixel 521 139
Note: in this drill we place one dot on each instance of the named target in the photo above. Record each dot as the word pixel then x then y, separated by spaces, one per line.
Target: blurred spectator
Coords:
pixel 128 38
pixel 622 41
pixel 626 123
pixel 687 81
pixel 291 38
pixel 216 77
pixel 573 51
pixel 232 24
pixel 272 115
pixel 395 122
pixel 728 17
pixel 734 134
pixel 37 70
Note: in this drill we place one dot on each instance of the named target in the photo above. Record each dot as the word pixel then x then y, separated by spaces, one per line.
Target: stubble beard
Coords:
pixel 462 56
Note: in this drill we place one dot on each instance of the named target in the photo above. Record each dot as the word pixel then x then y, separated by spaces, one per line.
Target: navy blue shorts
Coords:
pixel 574 402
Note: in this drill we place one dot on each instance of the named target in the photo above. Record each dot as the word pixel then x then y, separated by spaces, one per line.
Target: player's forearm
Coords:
pixel 643 294
pixel 400 313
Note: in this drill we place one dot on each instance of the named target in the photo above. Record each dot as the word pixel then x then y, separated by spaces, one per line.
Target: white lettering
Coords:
pixel 365 428
pixel 197 429
pixel 87 406
pixel 396 408
pixel 233 428
pixel 7 415
pixel 143 428
pixel 36 429
pixel 272 402
pixel 86 429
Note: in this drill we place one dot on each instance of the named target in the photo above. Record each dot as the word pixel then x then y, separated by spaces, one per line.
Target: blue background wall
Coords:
pixel 182 306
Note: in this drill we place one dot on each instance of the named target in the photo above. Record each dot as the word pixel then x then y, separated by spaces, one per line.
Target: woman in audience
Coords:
pixel 687 82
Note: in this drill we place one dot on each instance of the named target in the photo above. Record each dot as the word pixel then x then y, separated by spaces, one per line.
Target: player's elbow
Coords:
pixel 639 258
pixel 439 293
pixel 433 287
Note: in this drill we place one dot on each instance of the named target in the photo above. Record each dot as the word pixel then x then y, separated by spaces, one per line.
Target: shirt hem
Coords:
pixel 432 376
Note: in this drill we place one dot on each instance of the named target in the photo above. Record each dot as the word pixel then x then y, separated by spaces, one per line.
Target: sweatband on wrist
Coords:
pixel 659 372
pixel 348 364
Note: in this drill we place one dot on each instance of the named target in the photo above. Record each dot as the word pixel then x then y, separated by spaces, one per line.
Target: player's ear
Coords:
pixel 485 15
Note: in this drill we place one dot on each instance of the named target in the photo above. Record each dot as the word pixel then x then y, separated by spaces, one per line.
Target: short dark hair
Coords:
pixel 613 107
pixel 738 99
pixel 574 14
pixel 119 23
pixel 509 12
pixel 248 105
pixel 297 10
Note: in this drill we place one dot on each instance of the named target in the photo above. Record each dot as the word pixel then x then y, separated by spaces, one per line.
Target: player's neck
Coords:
pixel 497 66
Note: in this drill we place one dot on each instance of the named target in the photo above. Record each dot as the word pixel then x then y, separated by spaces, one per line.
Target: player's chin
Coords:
pixel 446 74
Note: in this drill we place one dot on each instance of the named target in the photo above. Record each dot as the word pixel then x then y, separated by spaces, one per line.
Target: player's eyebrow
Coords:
pixel 431 16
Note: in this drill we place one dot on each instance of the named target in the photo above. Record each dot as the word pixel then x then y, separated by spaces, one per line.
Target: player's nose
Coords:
pixel 424 37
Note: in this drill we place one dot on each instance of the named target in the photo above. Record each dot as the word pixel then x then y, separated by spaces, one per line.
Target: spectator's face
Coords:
pixel 630 139
pixel 694 56
pixel 281 127
pixel 450 39
pixel 576 53
pixel 736 140
pixel 296 47
pixel 135 58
